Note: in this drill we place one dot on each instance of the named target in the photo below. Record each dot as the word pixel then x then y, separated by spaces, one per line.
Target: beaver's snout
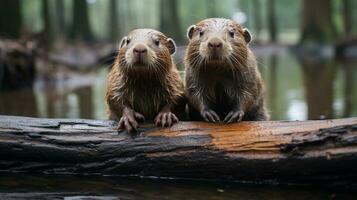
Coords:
pixel 215 44
pixel 215 47
pixel 140 53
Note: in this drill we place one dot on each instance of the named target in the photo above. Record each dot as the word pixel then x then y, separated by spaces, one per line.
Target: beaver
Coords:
pixel 222 77
pixel 144 82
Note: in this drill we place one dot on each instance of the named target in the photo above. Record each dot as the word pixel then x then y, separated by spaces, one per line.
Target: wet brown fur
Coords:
pixel 234 84
pixel 147 89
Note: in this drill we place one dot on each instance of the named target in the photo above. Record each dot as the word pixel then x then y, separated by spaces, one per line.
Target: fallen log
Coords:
pixel 285 151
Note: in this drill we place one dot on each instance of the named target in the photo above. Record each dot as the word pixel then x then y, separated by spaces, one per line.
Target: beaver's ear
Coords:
pixel 171 45
pixel 123 42
pixel 190 31
pixel 247 35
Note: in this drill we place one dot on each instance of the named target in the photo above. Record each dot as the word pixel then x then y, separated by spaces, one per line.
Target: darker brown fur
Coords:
pixel 154 91
pixel 227 86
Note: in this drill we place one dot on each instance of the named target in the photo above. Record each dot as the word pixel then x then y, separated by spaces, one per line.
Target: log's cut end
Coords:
pixel 292 151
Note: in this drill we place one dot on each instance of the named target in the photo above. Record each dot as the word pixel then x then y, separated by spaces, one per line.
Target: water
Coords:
pixel 68 187
pixel 296 90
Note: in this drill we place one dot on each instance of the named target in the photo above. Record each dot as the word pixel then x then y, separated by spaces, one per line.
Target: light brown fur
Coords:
pixel 153 90
pixel 226 85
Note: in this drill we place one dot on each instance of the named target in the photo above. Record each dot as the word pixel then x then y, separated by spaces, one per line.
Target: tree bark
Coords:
pixel 80 21
pixel 317 25
pixel 254 151
pixel 10 18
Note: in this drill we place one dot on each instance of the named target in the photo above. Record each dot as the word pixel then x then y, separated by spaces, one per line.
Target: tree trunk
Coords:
pixel 61 24
pixel 80 21
pixel 284 151
pixel 113 21
pixel 347 16
pixel 272 21
pixel 46 17
pixel 10 18
pixel 317 25
pixel 169 20
pixel 257 18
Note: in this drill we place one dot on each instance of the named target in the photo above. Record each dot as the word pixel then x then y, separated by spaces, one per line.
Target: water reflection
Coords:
pixel 59 104
pixel 296 90
pixel 273 81
pixel 348 74
pixel 285 91
pixel 21 102
pixel 42 187
pixel 319 76
pixel 85 101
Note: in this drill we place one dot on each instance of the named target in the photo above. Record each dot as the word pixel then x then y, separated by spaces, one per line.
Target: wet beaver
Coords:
pixel 144 82
pixel 222 77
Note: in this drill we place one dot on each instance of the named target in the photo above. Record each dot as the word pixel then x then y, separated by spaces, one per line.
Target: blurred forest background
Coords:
pixel 284 21
pixel 54 54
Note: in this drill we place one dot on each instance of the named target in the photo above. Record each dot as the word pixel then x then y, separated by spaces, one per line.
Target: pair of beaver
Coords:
pixel 222 78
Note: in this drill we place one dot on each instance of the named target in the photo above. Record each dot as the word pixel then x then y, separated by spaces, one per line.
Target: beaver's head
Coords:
pixel 145 49
pixel 218 41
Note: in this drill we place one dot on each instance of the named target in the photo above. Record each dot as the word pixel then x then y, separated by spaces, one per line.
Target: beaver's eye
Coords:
pixel 231 33
pixel 157 42
pixel 201 33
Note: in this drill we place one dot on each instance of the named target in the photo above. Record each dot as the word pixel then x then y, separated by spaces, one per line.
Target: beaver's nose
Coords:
pixel 140 49
pixel 215 44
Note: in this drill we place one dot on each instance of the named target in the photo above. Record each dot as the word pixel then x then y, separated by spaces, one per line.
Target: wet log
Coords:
pixel 283 151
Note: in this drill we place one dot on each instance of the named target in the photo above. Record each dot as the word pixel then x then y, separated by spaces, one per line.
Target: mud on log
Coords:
pixel 291 151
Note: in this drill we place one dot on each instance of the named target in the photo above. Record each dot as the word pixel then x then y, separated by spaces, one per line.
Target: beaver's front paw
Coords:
pixel 234 116
pixel 209 115
pixel 128 121
pixel 165 119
